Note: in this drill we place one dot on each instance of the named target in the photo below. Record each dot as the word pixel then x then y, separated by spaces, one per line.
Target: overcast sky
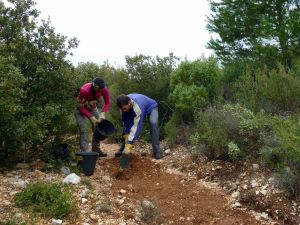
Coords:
pixel 111 29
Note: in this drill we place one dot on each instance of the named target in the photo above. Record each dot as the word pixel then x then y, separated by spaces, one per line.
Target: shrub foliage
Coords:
pixel 51 200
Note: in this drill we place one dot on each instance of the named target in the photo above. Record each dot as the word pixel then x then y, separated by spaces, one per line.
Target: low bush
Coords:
pixel 289 181
pixel 282 147
pixel 13 222
pixel 150 214
pixel 213 132
pixel 233 151
pixel 231 132
pixel 171 129
pixel 281 152
pixel 272 157
pixel 87 182
pixel 259 89
pixel 105 207
pixel 48 199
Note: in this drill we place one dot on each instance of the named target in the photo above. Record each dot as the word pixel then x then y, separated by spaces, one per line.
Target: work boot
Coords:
pixel 158 155
pixel 101 154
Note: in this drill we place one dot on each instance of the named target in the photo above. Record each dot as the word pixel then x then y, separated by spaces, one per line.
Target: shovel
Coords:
pixel 124 161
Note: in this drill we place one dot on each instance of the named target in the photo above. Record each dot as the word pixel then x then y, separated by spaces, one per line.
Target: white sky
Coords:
pixel 111 29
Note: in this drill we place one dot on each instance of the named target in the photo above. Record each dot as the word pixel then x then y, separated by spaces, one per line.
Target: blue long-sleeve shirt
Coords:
pixel 133 119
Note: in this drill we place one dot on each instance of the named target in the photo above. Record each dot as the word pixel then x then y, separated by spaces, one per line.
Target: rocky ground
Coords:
pixel 174 190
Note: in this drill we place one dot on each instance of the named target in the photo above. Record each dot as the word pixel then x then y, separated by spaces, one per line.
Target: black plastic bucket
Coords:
pixel 87 162
pixel 103 130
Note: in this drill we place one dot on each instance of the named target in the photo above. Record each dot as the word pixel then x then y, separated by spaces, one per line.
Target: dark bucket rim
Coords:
pixel 87 154
pixel 108 123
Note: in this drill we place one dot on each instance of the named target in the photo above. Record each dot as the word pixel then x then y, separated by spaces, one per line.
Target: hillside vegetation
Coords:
pixel 242 103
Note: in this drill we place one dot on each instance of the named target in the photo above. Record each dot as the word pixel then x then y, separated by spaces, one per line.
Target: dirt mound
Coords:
pixel 177 200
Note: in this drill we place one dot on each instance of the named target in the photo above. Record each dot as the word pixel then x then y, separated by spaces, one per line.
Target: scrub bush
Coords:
pixel 231 132
pixel 48 199
pixel 281 153
pixel 274 91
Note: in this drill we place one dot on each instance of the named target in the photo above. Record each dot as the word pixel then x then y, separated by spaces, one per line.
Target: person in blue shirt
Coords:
pixel 135 107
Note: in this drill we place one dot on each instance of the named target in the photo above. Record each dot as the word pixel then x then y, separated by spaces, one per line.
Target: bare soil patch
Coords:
pixel 177 190
pixel 178 200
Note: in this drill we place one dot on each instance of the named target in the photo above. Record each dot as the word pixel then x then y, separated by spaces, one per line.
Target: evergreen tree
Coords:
pixel 258 30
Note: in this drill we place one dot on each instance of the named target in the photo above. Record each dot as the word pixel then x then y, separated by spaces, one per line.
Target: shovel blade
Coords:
pixel 124 161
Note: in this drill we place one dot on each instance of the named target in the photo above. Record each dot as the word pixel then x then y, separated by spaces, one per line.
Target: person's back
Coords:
pixel 145 103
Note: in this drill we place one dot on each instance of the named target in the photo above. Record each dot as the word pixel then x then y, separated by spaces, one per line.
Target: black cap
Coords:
pixel 99 82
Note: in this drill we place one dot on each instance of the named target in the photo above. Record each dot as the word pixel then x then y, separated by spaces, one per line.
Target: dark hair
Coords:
pixel 122 100
pixel 99 82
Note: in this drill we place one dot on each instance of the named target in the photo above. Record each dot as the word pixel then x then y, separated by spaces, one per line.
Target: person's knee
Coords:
pixel 153 123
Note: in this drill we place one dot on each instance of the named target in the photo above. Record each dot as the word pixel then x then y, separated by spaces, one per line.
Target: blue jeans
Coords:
pixel 153 121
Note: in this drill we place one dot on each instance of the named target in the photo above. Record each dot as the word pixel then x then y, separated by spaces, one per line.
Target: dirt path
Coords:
pixel 153 192
pixel 177 199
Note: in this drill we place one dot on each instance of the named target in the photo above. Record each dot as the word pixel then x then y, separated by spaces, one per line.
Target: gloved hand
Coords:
pixel 102 116
pixel 94 120
pixel 127 149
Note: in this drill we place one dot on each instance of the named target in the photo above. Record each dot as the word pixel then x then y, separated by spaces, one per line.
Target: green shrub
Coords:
pixel 13 222
pixel 53 165
pixel 259 89
pixel 287 135
pixel 231 73
pixel 281 152
pixel 11 95
pixel 87 182
pixel 287 99
pixel 213 131
pixel 272 157
pixel 289 181
pixel 187 98
pixel 48 199
pixel 171 129
pixel 194 84
pixel 230 132
pixel 33 64
pixel 233 151
pixel 250 126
